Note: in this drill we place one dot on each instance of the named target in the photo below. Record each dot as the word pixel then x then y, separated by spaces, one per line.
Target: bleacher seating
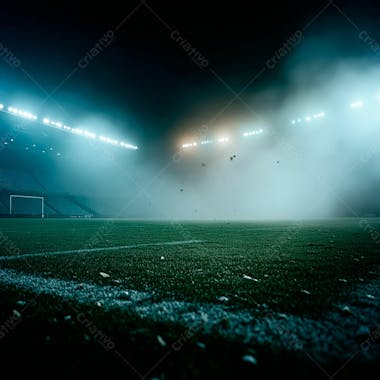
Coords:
pixel 59 201
pixel 101 207
pixel 3 209
pixel 12 180
pixel 65 206
pixel 22 183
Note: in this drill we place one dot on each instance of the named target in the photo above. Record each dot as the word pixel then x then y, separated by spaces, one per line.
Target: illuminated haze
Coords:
pixel 323 168
pixel 146 90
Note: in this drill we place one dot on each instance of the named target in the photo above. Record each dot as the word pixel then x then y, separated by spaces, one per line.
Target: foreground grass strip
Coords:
pixel 103 249
pixel 337 333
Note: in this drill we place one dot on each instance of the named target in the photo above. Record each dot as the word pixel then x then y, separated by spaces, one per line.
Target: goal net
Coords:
pixel 27 205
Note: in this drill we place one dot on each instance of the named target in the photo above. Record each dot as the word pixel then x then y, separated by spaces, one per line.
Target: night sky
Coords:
pixel 142 83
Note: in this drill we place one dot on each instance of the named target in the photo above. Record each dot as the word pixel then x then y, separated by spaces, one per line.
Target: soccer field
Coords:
pixel 190 300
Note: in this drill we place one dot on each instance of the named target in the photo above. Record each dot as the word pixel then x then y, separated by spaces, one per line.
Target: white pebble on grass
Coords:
pixel 16 314
pixel 346 309
pixel 249 359
pixel 161 341
pixel 250 278
pixel 363 330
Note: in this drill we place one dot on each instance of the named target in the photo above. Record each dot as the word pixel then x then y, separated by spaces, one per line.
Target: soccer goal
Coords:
pixel 26 205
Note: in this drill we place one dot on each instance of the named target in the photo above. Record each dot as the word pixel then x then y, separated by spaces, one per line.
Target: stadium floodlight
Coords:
pixel 89 135
pixel 59 125
pixel 189 145
pixel 128 146
pixel 21 113
pixel 77 131
pixel 223 139
pixel 112 141
pixel 309 118
pixel 253 133
pixel 52 123
pixel 319 115
pixel 206 142
pixel 357 104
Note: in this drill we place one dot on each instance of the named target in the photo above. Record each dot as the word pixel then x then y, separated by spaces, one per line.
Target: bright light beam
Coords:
pixel 21 113
pixel 357 104
pixel 59 125
pixel 189 145
pixel 253 133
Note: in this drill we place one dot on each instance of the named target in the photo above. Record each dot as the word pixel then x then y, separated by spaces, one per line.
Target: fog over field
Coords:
pixel 323 167
pixel 316 157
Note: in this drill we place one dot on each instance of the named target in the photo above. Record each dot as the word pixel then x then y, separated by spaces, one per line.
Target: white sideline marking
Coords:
pixel 104 249
pixel 288 331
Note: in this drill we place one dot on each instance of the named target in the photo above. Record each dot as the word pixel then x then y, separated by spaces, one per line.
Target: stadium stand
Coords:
pixel 53 184
pixel 58 201
pixel 65 206
pixel 98 207
pixel 13 180
pixel 57 204
pixel 3 208
pixel 75 178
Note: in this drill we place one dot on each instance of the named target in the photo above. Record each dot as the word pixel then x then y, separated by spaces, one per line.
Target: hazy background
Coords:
pixel 145 89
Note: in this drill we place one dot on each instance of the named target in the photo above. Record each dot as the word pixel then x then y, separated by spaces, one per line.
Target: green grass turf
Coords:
pixel 284 257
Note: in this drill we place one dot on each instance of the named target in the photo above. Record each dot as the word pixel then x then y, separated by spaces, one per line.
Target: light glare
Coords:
pixel 253 133
pixel 60 125
pixel 357 104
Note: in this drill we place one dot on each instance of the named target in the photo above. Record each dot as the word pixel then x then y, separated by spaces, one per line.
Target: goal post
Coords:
pixel 15 196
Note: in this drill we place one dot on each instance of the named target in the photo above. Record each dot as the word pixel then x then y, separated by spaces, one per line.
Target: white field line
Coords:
pixel 335 332
pixel 104 249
